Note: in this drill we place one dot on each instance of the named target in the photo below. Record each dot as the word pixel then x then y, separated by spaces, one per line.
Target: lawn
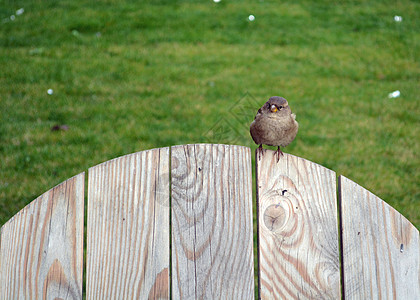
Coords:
pixel 128 76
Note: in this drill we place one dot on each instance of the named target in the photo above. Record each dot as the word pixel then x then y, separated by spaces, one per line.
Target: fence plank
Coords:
pixel 380 247
pixel 128 227
pixel 212 248
pixel 298 230
pixel 41 252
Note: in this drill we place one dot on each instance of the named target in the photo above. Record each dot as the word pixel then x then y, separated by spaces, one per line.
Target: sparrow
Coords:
pixel 274 125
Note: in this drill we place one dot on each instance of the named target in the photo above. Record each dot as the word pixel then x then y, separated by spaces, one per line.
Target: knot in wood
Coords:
pixel 175 162
pixel 274 217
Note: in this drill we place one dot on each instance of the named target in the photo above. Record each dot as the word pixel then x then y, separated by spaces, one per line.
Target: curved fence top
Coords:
pixel 178 222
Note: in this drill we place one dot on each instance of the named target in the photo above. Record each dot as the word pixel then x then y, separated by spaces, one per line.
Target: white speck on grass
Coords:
pixel 20 11
pixel 50 91
pixel 217 1
pixel 394 94
pixel 397 18
pixel 12 17
pixel 251 18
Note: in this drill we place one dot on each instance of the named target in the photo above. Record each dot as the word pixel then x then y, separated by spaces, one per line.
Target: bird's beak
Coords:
pixel 273 108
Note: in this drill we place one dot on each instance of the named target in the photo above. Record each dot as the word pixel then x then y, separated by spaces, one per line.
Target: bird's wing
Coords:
pixel 254 130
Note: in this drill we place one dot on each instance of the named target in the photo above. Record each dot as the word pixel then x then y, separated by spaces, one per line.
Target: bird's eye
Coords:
pixel 280 107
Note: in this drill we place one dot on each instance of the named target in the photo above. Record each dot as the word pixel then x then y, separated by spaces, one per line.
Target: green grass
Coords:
pixel 132 76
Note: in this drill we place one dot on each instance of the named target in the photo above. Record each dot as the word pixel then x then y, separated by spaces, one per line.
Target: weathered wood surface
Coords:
pixel 297 229
pixel 212 248
pixel 41 249
pixel 128 227
pixel 128 232
pixel 380 247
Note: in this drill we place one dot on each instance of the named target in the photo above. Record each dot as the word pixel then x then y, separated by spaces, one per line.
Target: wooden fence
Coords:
pixel 177 223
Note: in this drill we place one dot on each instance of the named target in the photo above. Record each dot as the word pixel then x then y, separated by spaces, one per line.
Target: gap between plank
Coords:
pixel 340 235
pixel 85 217
pixel 170 223
pixel 258 272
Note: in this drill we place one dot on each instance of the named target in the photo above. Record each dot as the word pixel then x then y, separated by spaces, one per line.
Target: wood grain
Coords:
pixel 380 247
pixel 297 229
pixel 128 227
pixel 212 248
pixel 41 252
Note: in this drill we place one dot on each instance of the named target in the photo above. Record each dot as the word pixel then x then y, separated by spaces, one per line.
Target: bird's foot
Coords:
pixel 278 152
pixel 260 151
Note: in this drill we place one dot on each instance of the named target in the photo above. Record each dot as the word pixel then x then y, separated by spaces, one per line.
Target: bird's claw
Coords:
pixel 260 150
pixel 278 152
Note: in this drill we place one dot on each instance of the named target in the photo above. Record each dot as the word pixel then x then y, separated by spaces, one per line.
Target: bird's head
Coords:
pixel 277 106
